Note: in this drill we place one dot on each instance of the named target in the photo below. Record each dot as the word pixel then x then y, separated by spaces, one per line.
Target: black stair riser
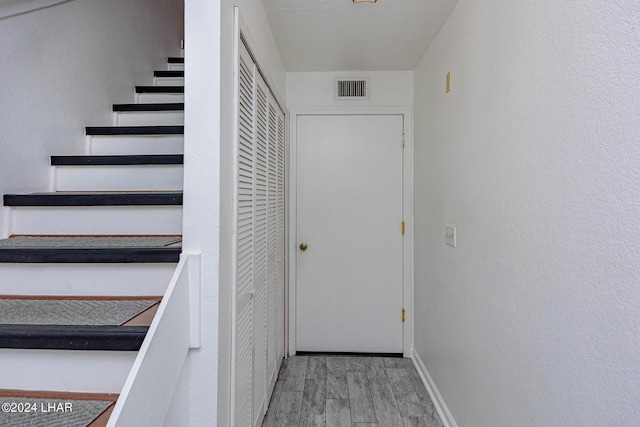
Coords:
pixel 106 199
pixel 72 337
pixel 171 73
pixel 135 130
pixel 176 106
pixel 90 255
pixel 175 60
pixel 132 160
pixel 159 89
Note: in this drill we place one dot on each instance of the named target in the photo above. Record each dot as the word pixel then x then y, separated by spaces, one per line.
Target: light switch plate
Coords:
pixel 450 235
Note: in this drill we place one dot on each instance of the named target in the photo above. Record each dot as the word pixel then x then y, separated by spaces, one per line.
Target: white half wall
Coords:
pixel 64 66
pixel 386 89
pixel 203 394
pixel 532 320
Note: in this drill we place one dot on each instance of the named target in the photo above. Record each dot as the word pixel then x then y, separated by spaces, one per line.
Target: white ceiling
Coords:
pixel 338 35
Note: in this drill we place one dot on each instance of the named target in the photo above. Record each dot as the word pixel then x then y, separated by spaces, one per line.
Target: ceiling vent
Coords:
pixel 347 89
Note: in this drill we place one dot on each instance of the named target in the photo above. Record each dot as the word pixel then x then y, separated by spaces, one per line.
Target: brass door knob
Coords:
pixel 303 246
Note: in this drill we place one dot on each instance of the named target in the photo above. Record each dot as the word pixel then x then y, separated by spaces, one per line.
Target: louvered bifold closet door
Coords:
pixel 244 243
pixel 260 255
pixel 280 236
pixel 259 270
pixel 272 233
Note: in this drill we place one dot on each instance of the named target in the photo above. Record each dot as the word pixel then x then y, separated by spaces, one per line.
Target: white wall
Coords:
pixel 196 396
pixel 62 69
pixel 386 88
pixel 534 155
pixel 203 396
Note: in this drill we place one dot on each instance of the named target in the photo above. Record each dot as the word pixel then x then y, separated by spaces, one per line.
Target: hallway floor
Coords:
pixel 342 391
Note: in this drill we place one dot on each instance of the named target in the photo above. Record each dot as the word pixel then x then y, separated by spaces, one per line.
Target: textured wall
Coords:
pixel 386 88
pixel 64 66
pixel 533 320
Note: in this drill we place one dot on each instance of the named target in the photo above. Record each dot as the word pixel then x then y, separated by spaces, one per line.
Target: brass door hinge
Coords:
pixel 403 228
pixel 403 315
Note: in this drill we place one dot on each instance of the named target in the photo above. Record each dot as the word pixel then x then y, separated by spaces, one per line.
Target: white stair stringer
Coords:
pixel 87 279
pixel 88 371
pixel 97 220
pixel 118 178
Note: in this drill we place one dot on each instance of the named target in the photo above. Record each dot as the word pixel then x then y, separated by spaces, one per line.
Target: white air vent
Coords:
pixel 352 89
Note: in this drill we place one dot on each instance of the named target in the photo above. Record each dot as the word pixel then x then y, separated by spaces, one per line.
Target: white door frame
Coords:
pixel 407 245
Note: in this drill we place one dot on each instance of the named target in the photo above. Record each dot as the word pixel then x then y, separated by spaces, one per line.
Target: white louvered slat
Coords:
pixel 272 241
pixel 244 248
pixel 260 255
pixel 280 239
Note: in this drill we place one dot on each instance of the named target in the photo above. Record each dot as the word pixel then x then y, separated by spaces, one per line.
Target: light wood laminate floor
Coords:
pixel 345 391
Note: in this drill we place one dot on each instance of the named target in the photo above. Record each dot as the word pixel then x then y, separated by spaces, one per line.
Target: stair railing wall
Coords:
pixel 148 391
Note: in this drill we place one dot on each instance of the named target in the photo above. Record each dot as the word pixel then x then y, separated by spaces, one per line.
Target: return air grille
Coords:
pixel 352 89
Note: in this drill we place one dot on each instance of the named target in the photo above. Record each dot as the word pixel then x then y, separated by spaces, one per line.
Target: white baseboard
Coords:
pixel 438 402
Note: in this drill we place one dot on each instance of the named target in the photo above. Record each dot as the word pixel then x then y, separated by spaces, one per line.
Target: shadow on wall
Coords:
pixel 16 7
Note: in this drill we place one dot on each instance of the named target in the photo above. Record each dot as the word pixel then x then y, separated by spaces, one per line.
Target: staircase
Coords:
pixel 86 264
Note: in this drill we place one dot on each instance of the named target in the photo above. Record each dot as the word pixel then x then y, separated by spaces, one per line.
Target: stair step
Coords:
pixel 95 220
pixel 131 160
pixel 134 130
pixel 159 89
pixel 94 199
pixel 77 310
pixel 164 106
pixel 149 118
pixel 59 408
pixel 135 144
pixel 159 97
pixel 118 173
pixel 72 370
pixel 168 73
pixel 86 279
pixel 75 323
pixel 175 60
pixel 89 249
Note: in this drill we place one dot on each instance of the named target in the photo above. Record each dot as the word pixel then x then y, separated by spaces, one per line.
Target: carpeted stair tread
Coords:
pixel 71 311
pixel 134 130
pixel 88 242
pixel 52 412
pixel 89 249
pixel 98 198
pixel 119 160
pixel 176 106
pixel 159 89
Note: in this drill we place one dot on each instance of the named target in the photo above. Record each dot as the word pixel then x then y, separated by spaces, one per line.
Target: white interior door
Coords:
pixel 349 214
